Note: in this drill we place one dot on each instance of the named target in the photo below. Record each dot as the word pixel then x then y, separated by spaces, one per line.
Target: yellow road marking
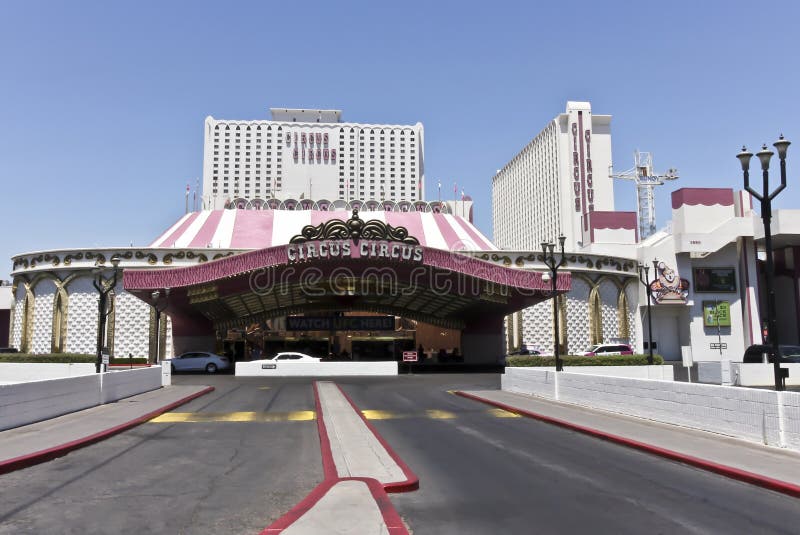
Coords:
pixel 306 416
pixel 199 417
pixel 502 413
pixel 264 387
pixel 379 415
pixel 439 415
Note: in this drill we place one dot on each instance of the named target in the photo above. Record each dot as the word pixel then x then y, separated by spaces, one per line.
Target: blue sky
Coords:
pixel 102 104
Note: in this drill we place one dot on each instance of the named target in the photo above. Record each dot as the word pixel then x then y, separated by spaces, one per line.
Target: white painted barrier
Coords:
pixel 266 368
pixel 747 374
pixel 34 401
pixel 126 383
pixel 20 372
pixel 762 416
pixel 710 371
pixel 663 372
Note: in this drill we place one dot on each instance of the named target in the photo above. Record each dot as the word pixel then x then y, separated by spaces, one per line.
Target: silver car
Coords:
pixel 198 361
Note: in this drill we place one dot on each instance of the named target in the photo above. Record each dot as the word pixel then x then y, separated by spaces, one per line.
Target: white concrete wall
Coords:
pixel 20 372
pixel 791 419
pixel 26 403
pixel 762 416
pixel 761 374
pixel 125 383
pixel 283 369
pixel 709 372
pixel 663 373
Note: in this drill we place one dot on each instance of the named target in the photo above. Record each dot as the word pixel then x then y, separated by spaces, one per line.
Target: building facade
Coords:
pixel 310 154
pixel 549 188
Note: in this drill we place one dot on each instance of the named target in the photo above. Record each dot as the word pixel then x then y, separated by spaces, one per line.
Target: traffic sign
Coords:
pixel 409 356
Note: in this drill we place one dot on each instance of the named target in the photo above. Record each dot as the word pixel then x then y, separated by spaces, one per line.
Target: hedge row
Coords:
pixel 569 360
pixel 65 358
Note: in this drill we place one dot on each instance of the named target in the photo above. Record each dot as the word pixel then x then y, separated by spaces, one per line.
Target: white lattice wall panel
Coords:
pixel 578 316
pixel 537 326
pixel 632 294
pixel 131 325
pixel 609 295
pixel 43 317
pixel 19 301
pixel 82 317
pixel 169 350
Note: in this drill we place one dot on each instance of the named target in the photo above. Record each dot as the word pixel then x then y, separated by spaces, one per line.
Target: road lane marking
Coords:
pixel 380 415
pixel 502 413
pixel 439 414
pixel 306 416
pixel 202 417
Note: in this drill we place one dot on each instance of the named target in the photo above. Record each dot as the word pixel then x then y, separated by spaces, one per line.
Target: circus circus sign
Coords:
pixel 338 249
pixel 354 238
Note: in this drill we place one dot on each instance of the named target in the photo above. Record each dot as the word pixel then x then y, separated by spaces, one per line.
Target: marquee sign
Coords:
pixel 353 238
pixel 332 249
pixel 343 323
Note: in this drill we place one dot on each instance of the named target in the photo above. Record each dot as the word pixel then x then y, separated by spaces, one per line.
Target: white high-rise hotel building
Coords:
pixel 310 154
pixel 551 186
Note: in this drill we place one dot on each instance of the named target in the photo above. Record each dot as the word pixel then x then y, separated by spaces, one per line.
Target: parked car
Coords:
pixel 295 357
pixel 607 349
pixel 524 351
pixel 754 354
pixel 198 361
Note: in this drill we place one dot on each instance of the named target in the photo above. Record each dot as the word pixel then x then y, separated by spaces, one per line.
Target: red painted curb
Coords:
pixel 391 518
pixel 728 471
pixel 328 464
pixel 412 481
pixel 394 524
pixel 31 459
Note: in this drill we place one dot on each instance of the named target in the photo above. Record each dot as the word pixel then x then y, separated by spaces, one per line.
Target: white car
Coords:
pixel 198 361
pixel 292 356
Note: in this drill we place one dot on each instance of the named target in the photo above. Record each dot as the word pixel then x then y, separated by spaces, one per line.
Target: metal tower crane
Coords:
pixel 646 179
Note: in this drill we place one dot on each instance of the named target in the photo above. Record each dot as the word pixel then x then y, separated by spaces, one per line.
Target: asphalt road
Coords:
pixel 228 470
pixel 215 477
pixel 484 474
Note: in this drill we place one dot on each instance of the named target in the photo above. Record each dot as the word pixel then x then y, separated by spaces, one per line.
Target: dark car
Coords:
pixel 524 351
pixel 754 354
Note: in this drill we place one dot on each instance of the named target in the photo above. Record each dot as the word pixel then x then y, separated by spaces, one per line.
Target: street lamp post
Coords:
pixel 766 197
pixel 104 287
pixel 552 265
pixel 644 278
pixel 158 310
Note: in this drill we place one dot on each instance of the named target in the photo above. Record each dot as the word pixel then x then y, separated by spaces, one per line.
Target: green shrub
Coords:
pixel 574 360
pixel 65 358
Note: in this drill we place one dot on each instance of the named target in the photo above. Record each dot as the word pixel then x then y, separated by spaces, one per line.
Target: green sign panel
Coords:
pixel 716 313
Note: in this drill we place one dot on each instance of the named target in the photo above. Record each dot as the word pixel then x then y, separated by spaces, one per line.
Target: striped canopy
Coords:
pixel 258 229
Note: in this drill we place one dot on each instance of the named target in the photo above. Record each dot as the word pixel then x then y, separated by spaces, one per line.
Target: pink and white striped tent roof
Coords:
pixel 258 229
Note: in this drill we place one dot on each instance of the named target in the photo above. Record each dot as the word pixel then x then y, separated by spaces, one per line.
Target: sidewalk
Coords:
pixel 360 468
pixel 765 466
pixel 35 443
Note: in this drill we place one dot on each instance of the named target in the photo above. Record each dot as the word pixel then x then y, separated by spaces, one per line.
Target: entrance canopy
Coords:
pixel 337 266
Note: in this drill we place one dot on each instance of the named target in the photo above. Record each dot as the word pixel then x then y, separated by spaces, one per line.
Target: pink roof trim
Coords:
pixel 170 241
pixel 206 233
pixel 449 235
pixel 479 241
pixel 252 226
pixel 702 196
